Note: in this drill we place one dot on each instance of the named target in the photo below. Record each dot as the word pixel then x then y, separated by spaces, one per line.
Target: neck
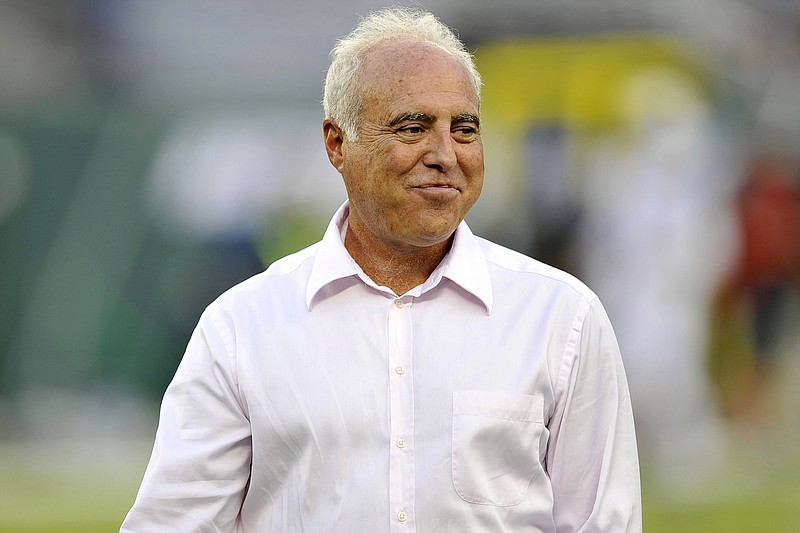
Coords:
pixel 400 269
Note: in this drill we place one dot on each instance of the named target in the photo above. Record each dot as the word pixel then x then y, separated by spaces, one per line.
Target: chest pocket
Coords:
pixel 495 452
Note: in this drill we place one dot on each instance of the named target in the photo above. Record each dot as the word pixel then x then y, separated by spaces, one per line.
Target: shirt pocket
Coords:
pixel 495 451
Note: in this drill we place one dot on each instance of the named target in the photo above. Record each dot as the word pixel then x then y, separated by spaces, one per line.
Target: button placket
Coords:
pixel 401 398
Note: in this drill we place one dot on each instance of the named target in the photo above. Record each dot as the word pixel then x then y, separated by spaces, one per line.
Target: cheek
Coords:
pixel 359 172
pixel 401 161
pixel 382 167
pixel 472 167
pixel 475 159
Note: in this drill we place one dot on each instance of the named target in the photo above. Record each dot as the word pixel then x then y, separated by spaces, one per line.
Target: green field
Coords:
pixel 754 497
pixel 38 493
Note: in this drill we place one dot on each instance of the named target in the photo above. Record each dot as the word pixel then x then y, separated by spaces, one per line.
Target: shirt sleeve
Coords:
pixel 200 465
pixel 592 457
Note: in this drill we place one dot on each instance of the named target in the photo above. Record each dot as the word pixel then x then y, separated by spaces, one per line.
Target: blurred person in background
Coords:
pixel 754 297
pixel 656 237
pixel 402 374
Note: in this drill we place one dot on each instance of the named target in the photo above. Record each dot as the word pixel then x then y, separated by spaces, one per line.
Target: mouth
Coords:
pixel 433 187
pixel 437 192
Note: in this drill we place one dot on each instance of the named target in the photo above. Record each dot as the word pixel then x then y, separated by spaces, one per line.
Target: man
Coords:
pixel 401 374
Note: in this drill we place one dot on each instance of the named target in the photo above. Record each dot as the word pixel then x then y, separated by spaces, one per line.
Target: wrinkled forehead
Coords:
pixel 396 65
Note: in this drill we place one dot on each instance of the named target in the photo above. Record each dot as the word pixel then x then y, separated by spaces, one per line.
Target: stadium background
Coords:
pixel 153 154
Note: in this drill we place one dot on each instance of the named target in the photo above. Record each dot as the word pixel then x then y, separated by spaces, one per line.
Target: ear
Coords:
pixel 334 141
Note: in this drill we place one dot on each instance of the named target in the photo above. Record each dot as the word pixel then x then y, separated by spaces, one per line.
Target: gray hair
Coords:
pixel 343 84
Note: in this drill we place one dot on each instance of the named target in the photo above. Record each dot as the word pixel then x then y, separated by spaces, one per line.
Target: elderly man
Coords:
pixel 401 374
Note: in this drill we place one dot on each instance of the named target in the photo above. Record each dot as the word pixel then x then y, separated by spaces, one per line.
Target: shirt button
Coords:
pixel 402 516
pixel 400 370
pixel 401 443
pixel 399 303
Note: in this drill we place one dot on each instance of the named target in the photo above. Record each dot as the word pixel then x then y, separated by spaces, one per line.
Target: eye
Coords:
pixel 412 129
pixel 465 133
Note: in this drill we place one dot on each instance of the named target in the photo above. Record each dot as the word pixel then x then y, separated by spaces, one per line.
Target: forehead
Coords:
pixel 415 72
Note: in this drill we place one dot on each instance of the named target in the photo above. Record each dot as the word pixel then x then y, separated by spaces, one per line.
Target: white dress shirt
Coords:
pixel 490 398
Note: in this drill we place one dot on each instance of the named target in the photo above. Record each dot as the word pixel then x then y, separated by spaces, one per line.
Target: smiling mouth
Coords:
pixel 437 187
pixel 438 194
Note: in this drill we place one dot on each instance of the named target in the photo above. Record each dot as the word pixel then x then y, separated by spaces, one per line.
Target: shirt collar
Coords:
pixel 464 265
pixel 332 261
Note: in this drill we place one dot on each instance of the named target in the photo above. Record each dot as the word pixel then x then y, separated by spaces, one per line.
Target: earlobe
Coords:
pixel 334 140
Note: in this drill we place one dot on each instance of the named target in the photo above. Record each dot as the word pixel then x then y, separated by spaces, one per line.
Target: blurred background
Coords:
pixel 152 154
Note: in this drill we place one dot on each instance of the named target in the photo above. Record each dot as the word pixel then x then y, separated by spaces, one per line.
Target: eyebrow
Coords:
pixel 429 119
pixel 413 117
pixel 466 117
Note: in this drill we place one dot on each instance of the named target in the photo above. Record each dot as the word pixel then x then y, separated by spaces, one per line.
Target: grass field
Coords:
pixel 755 497
pixel 89 491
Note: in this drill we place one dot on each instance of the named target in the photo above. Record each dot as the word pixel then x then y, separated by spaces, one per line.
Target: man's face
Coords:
pixel 417 166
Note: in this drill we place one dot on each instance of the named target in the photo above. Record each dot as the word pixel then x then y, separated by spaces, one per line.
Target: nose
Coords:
pixel 441 153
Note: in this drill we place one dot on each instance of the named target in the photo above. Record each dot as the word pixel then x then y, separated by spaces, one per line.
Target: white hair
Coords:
pixel 343 84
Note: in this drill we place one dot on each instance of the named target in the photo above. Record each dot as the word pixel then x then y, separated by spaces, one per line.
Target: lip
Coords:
pixel 436 187
pixel 439 191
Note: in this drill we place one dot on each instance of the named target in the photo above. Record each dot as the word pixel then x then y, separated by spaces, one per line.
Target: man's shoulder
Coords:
pixel 290 264
pixel 521 269
pixel 287 274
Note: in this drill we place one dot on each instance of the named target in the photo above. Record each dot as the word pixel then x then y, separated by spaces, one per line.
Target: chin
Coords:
pixel 432 238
